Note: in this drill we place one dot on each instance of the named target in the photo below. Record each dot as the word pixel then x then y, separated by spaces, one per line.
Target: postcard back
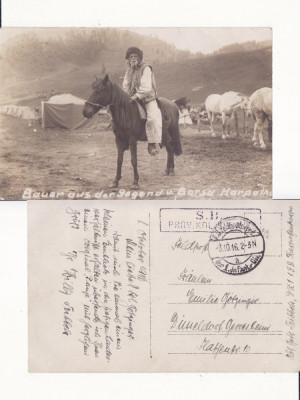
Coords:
pixel 160 287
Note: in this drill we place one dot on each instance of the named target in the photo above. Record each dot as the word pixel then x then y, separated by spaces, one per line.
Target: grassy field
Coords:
pixel 84 161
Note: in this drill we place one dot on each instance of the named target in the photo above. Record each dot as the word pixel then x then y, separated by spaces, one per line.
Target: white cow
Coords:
pixel 261 106
pixel 226 105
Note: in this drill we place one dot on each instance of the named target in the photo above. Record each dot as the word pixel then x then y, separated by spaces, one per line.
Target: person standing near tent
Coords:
pixel 139 83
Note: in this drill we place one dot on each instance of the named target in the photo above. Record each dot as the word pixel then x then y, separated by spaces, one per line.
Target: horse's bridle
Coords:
pixel 99 105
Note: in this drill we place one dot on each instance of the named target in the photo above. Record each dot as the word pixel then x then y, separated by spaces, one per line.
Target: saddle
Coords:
pixel 142 110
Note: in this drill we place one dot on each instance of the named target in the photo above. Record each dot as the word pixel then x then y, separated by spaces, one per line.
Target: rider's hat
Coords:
pixel 134 50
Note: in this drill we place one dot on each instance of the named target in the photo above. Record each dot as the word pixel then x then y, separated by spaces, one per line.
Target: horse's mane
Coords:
pixel 182 101
pixel 124 112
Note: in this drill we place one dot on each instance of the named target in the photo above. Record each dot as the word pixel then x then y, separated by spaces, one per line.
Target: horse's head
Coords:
pixel 182 102
pixel 246 106
pixel 100 97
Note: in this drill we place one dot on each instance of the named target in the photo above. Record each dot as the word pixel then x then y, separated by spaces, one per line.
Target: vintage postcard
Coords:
pixel 127 113
pixel 163 286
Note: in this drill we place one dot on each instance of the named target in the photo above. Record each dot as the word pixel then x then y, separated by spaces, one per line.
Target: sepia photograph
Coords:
pixel 136 113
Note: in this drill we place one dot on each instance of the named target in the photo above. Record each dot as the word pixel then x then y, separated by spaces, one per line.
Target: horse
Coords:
pixel 199 114
pixel 226 104
pixel 184 111
pixel 261 106
pixel 128 127
pixel 182 103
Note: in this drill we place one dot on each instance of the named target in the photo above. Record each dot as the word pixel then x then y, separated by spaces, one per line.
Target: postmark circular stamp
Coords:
pixel 236 245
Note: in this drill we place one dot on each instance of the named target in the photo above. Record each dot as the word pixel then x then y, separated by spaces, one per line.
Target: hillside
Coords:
pixel 244 46
pixel 42 51
pixel 241 71
pixel 42 63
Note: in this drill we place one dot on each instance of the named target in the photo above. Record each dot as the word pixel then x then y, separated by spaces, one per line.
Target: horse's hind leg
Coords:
pixel 211 117
pixel 198 123
pixel 170 169
pixel 167 133
pixel 270 129
pixel 258 140
pixel 261 139
pixel 254 137
pixel 224 125
pixel 121 149
pixel 257 128
pixel 133 151
pixel 227 126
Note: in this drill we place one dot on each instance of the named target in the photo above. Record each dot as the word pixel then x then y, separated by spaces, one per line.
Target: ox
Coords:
pixel 261 106
pixel 226 105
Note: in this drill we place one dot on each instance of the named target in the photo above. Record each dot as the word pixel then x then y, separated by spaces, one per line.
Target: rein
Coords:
pixel 98 105
pixel 122 112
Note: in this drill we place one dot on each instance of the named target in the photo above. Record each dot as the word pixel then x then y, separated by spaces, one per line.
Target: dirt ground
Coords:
pixel 58 163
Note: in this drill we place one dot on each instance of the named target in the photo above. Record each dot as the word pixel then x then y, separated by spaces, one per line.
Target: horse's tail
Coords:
pixel 176 140
pixel 170 120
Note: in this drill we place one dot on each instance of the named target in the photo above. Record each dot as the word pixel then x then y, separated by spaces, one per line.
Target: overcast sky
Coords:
pixel 205 40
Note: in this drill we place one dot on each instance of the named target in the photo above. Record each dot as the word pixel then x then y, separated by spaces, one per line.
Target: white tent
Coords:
pixel 64 111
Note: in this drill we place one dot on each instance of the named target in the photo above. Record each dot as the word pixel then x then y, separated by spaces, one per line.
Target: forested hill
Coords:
pixel 41 51
pixel 46 61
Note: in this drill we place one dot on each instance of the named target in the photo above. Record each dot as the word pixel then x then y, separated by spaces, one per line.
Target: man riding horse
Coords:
pixel 139 83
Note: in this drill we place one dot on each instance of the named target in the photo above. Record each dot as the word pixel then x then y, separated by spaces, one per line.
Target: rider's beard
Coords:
pixel 134 64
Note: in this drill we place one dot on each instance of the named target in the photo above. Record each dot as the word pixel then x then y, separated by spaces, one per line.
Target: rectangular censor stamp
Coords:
pixel 199 219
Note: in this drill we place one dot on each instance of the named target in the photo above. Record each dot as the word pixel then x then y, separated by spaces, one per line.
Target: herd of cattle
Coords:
pixel 223 107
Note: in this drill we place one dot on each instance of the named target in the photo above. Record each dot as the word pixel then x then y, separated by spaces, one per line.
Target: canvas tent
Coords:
pixel 64 111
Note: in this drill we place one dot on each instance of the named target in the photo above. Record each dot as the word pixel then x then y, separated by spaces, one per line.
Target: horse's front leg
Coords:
pixel 133 151
pixel 121 149
pixel 228 120
pixel 236 123
pixel 224 120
